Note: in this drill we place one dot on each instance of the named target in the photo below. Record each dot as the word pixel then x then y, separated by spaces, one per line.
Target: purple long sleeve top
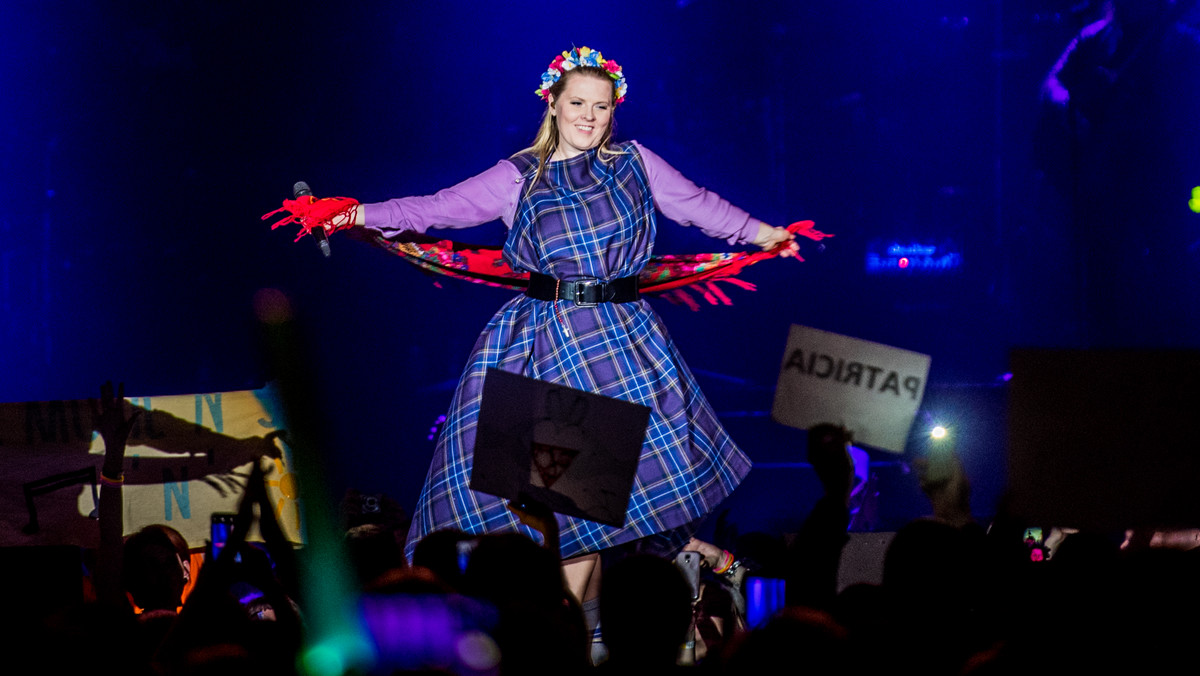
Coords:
pixel 494 194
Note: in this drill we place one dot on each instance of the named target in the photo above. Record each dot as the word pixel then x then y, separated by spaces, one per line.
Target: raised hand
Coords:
pixel 829 455
pixel 944 482
pixel 540 518
pixel 110 420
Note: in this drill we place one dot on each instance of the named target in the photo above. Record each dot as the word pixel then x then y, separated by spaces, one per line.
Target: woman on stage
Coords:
pixel 580 211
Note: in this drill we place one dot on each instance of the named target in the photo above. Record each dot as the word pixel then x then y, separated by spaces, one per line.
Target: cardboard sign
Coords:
pixel 872 389
pixel 573 451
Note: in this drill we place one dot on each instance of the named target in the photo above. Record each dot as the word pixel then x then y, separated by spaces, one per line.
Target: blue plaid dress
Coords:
pixel 587 218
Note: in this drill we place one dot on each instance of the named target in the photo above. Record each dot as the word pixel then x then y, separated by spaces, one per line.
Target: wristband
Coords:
pixel 726 563
pixel 733 569
pixel 109 481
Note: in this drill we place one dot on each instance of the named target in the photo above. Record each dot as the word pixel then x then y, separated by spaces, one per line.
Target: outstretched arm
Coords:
pixel 688 204
pixel 491 195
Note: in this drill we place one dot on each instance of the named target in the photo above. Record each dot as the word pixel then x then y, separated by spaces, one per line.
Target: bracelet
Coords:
pixel 108 481
pixel 726 563
pixel 733 569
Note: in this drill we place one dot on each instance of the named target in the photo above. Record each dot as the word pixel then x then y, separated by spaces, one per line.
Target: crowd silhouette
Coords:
pixel 956 596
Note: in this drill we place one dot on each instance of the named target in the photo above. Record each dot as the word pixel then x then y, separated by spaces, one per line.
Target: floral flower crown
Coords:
pixel 580 56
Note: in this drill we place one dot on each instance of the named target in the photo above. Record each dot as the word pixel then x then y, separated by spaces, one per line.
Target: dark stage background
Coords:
pixel 142 140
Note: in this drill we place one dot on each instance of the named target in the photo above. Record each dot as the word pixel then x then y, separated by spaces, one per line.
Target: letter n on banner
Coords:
pixel 178 490
pixel 214 409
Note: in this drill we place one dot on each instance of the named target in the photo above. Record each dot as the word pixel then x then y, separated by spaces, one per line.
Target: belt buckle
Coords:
pixel 580 287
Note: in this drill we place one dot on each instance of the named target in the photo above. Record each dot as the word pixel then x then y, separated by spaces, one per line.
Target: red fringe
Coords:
pixel 726 272
pixel 705 283
pixel 806 229
pixel 681 297
pixel 488 266
pixel 331 213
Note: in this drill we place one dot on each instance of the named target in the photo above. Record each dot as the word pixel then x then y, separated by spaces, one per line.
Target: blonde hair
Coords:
pixel 546 141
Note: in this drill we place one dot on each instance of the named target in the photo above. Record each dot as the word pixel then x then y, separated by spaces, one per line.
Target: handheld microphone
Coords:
pixel 299 190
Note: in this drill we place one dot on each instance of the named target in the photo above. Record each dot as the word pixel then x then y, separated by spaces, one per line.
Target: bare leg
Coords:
pixel 578 573
pixel 593 586
pixel 582 577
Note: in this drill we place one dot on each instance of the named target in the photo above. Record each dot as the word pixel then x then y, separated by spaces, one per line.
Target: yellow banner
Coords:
pixel 188 456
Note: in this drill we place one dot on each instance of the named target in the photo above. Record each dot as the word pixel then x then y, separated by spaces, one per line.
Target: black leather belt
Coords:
pixel 585 292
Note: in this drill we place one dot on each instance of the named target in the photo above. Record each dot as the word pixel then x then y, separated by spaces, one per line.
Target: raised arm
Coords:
pixel 688 204
pixel 114 426
pixel 482 198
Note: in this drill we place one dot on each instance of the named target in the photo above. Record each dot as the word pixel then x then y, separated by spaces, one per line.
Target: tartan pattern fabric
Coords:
pixel 587 217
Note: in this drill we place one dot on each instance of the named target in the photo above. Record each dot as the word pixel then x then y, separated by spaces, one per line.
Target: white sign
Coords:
pixel 873 390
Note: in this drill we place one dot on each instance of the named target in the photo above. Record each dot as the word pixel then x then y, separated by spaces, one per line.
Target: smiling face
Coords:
pixel 582 114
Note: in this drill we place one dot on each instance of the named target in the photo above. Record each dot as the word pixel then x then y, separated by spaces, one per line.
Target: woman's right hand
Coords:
pixel 770 237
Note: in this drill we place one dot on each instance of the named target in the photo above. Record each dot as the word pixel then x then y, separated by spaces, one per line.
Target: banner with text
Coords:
pixel 872 389
pixel 187 457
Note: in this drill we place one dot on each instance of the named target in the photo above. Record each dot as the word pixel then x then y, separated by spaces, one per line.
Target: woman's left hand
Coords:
pixel 769 237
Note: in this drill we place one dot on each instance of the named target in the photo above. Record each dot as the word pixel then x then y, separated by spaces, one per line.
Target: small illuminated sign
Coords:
pixel 912 258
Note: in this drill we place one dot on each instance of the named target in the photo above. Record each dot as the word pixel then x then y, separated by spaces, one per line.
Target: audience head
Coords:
pixel 645 610
pixel 445 552
pixel 932 560
pixel 373 551
pixel 156 568
pixel 798 639
pixel 509 568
